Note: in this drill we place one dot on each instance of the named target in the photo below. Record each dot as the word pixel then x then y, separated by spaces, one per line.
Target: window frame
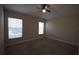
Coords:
pixel 8 28
pixel 43 28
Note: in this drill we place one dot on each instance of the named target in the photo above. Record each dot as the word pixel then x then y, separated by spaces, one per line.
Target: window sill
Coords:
pixel 15 38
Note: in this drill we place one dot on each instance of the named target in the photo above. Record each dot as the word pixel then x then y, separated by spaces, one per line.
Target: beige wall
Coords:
pixel 1 30
pixel 64 29
pixel 30 25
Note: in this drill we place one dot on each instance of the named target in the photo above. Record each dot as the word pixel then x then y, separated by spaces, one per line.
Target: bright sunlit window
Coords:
pixel 14 28
pixel 41 28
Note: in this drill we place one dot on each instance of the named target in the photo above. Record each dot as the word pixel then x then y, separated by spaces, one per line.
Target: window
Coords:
pixel 14 28
pixel 41 28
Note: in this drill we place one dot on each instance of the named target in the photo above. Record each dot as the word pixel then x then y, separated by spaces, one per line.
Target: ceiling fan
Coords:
pixel 44 8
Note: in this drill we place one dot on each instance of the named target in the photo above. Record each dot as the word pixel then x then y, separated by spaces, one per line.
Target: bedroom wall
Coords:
pixel 1 30
pixel 65 28
pixel 30 26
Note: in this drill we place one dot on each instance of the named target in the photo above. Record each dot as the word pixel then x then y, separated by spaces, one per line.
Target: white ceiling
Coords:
pixel 57 10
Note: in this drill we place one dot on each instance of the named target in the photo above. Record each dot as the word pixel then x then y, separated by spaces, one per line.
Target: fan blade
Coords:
pixel 48 10
pixel 43 6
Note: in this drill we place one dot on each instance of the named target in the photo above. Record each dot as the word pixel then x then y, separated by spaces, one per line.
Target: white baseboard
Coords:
pixel 72 43
pixel 22 41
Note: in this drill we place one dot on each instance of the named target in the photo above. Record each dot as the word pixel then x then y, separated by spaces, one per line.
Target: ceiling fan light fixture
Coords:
pixel 43 10
pixel 46 7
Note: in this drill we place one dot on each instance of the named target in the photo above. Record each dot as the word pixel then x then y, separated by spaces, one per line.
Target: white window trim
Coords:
pixel 21 32
pixel 39 29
